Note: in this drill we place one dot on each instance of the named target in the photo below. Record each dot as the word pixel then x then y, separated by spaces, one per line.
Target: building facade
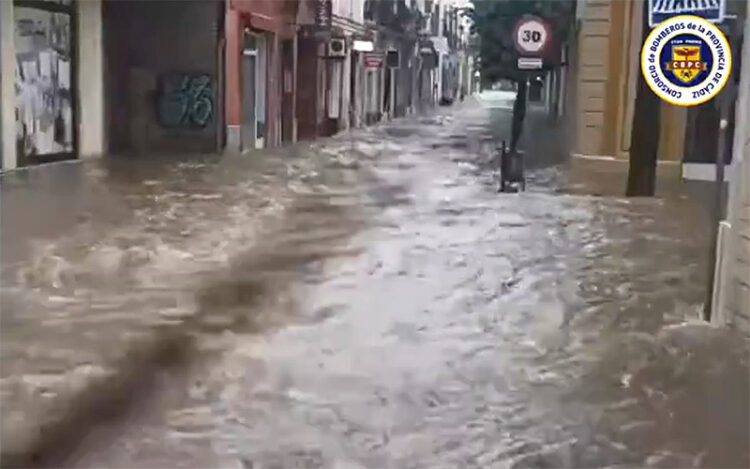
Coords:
pixel 731 302
pixel 396 24
pixel 337 58
pixel 85 78
pixel 162 80
pixel 347 85
pixel 604 69
pixel 81 78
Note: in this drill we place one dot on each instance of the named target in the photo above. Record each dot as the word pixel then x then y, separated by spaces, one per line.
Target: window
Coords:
pixel 43 80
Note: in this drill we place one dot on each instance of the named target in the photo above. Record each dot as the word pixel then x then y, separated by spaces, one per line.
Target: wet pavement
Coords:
pixel 370 302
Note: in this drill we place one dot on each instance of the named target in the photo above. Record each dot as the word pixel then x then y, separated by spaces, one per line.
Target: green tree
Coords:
pixel 493 22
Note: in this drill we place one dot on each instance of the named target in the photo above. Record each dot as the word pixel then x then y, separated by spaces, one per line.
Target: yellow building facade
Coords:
pixel 605 67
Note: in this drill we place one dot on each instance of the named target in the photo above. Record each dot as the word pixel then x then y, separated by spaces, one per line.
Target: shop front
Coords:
pixel 374 65
pixel 44 43
pixel 427 75
pixel 260 73
pixel 254 84
pixel 361 45
pixel 44 72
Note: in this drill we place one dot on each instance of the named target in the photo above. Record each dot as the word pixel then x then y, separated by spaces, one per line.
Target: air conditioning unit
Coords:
pixel 337 48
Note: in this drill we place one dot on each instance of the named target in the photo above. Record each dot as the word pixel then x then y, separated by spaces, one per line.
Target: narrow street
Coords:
pixel 372 301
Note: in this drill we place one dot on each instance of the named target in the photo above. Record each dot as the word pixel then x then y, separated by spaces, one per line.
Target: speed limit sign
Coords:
pixel 531 35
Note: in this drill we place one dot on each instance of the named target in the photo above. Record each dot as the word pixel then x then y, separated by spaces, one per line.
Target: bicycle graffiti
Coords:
pixel 186 101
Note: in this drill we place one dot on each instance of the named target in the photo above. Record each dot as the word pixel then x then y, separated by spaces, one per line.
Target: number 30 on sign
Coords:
pixel 531 35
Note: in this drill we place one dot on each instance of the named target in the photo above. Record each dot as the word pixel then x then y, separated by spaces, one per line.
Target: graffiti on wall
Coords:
pixel 186 101
pixel 323 13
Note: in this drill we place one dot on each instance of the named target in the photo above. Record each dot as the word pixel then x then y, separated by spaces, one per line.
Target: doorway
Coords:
pixel 354 94
pixel 254 72
pixel 387 91
pixel 287 103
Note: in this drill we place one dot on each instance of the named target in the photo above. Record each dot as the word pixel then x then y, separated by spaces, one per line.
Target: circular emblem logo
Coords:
pixel 686 60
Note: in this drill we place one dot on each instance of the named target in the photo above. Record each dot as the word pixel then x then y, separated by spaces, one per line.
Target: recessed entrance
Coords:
pixel 254 73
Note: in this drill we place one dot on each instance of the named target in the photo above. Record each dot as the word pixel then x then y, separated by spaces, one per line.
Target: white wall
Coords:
pixel 358 10
pixel 441 16
pixel 7 90
pixel 360 97
pixel 352 9
pixel 731 302
pixel 739 167
pixel 90 79
pixel 341 7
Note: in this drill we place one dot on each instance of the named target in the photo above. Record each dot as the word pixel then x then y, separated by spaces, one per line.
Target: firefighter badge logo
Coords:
pixel 686 64
pixel 686 60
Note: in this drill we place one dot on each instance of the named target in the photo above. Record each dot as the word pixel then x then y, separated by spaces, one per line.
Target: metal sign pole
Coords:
pixel 726 101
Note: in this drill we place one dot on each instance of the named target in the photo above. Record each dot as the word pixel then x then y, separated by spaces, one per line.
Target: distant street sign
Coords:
pixel 530 63
pixel 662 10
pixel 393 59
pixel 531 35
pixel 373 60
pixel 323 14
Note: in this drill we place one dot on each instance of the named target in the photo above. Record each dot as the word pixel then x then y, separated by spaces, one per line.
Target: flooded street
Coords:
pixel 370 301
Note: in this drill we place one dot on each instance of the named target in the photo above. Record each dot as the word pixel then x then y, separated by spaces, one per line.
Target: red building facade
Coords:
pixel 260 67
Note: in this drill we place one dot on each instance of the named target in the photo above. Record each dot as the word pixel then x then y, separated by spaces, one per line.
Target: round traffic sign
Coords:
pixel 531 35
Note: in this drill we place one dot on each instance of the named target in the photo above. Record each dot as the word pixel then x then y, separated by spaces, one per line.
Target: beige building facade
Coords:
pixel 605 68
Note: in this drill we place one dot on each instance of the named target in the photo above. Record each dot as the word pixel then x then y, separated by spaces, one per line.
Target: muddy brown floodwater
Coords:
pixel 400 313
